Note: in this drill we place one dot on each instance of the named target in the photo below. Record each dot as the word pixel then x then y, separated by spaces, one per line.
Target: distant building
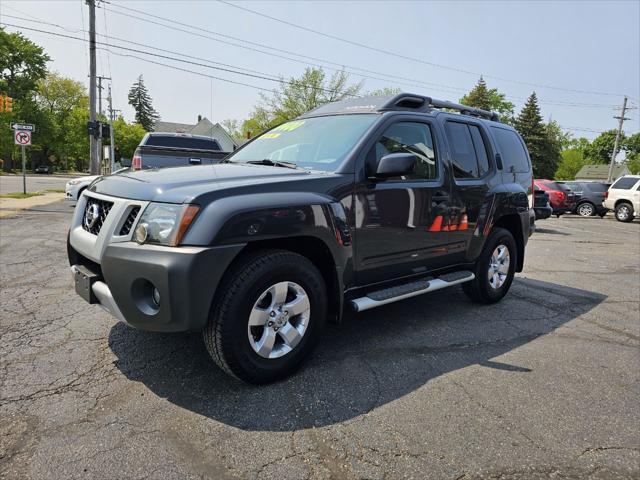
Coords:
pixel 600 173
pixel 203 127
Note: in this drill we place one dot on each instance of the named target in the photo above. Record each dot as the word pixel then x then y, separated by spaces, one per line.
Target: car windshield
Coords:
pixel 319 143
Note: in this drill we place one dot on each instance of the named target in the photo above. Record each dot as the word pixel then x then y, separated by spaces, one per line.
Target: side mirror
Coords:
pixel 396 165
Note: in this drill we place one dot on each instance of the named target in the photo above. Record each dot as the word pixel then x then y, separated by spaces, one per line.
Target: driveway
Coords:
pixel 544 384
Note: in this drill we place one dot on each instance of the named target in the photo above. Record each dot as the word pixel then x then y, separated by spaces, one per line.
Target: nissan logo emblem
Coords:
pixel 91 215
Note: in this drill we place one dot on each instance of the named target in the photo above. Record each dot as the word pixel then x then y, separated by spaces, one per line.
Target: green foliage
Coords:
pixel 544 149
pixel 233 128
pixel 22 64
pixel 572 161
pixel 141 102
pixel 632 147
pixel 489 99
pixel 600 149
pixel 297 96
pixel 126 136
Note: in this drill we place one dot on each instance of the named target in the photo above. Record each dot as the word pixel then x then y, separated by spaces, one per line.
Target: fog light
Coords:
pixel 156 296
pixel 141 233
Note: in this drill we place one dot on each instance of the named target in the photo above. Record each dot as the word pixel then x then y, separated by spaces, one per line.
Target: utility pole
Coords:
pixel 100 155
pixel 616 145
pixel 112 148
pixel 94 163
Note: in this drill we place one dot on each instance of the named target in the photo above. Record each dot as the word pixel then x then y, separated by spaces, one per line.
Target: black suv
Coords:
pixel 354 205
pixel 589 197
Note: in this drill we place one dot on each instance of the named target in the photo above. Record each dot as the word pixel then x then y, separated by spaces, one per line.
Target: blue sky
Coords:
pixel 588 46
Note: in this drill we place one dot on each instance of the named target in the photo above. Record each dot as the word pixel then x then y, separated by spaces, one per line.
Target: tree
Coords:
pixel 141 102
pixel 632 146
pixel 297 96
pixel 22 64
pixel 233 128
pixel 489 99
pixel 572 161
pixel 600 149
pixel 127 137
pixel 543 150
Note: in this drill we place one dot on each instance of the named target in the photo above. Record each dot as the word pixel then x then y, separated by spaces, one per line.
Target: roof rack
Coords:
pixel 419 102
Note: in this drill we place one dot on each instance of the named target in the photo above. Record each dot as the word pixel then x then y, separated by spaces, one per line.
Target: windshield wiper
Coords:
pixel 276 163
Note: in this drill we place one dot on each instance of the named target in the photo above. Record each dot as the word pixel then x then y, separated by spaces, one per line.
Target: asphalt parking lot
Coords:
pixel 545 384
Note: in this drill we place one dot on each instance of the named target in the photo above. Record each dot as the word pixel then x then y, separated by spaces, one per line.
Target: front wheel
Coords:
pixel 624 212
pixel 495 268
pixel 268 316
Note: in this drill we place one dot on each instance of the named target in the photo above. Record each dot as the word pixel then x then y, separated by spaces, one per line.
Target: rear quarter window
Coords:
pixel 183 142
pixel 512 150
pixel 625 183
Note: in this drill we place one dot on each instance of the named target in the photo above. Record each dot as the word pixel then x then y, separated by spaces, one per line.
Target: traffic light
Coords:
pixel 105 130
pixel 8 104
pixel 93 128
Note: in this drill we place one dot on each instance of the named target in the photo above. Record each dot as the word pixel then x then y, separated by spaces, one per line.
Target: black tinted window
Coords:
pixel 183 142
pixel 625 183
pixel 465 164
pixel 512 150
pixel 596 187
pixel 481 149
pixel 409 137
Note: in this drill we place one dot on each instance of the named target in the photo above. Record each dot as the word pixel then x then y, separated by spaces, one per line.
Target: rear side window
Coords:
pixel 514 156
pixel 469 152
pixel 183 142
pixel 625 183
pixel 596 187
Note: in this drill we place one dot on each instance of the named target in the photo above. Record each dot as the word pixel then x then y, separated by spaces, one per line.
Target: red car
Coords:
pixel 561 197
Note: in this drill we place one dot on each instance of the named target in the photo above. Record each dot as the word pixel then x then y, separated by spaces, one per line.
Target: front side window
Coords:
pixel 407 137
pixel 318 143
pixel 625 183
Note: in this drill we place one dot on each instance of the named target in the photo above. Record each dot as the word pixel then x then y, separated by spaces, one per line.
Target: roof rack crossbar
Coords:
pixel 465 109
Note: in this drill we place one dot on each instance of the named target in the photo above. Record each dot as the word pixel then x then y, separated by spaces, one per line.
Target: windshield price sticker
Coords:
pixel 270 135
pixel 289 126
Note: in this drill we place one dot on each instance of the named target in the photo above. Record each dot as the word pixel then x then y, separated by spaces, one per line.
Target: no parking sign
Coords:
pixel 22 137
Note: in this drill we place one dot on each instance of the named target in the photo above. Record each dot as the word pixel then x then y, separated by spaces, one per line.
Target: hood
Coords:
pixel 87 179
pixel 183 184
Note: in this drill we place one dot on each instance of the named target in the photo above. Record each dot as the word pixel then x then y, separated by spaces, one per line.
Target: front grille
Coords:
pixel 95 213
pixel 128 223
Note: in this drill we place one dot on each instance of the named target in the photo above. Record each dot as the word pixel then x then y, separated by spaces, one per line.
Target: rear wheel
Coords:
pixel 624 212
pixel 495 268
pixel 268 317
pixel 586 209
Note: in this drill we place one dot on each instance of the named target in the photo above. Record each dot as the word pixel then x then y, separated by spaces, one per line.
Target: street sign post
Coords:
pixel 22 137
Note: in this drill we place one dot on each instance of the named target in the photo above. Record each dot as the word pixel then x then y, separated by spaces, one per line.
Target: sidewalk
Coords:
pixel 11 206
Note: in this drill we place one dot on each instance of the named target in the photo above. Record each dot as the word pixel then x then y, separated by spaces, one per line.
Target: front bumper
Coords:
pixel 186 279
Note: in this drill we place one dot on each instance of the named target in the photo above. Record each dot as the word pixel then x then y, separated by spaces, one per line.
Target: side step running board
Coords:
pixel 408 290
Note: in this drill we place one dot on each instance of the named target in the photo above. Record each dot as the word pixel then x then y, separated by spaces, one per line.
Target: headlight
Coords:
pixel 164 223
pixel 73 182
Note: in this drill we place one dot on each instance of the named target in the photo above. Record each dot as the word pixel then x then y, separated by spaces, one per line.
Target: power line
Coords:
pixel 342 67
pixel 105 44
pixel 406 57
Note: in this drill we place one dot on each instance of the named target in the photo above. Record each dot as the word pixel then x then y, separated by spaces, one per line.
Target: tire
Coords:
pixel 251 290
pixel 481 289
pixel 624 212
pixel 586 209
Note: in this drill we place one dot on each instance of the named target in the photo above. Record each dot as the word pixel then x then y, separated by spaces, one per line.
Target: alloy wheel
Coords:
pixel 279 319
pixel 499 266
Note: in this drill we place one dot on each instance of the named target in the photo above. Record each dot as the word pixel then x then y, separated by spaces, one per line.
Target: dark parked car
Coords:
pixel 562 199
pixel 355 204
pixel 43 169
pixel 541 204
pixel 161 150
pixel 589 197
